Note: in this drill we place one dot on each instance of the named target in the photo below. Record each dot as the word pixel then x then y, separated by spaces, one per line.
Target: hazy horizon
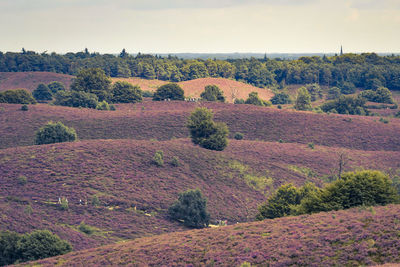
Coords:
pixel 178 26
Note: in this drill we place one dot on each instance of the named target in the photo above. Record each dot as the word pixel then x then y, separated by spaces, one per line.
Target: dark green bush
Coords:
pixel 24 107
pixel 191 208
pixel 280 98
pixel 76 99
pixel 54 133
pixel 124 92
pixel 346 105
pixel 205 132
pixel 56 86
pixel 381 95
pixel 212 93
pixel 42 93
pixel 239 101
pixel 94 81
pixel 315 91
pixel 333 93
pixel 347 88
pixel 84 228
pixel 39 244
pixel 147 94
pixel 17 96
pixel 158 158
pixel 175 162
pixel 238 136
pixel 103 105
pixel 170 91
pixel 303 99
pixel 253 99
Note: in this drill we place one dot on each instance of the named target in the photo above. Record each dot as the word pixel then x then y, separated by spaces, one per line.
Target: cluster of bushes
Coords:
pixel 253 99
pixel 46 92
pixel 17 96
pixel 353 105
pixel 364 188
pixel 39 244
pixel 381 95
pixel 205 132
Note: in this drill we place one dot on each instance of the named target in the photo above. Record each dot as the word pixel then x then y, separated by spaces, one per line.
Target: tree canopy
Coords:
pixel 170 91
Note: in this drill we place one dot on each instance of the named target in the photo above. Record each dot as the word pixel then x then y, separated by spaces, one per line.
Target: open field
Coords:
pixel 30 80
pixel 135 194
pixel 348 238
pixel 165 120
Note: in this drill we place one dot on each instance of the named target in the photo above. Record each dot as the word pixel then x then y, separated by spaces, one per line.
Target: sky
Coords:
pixel 200 26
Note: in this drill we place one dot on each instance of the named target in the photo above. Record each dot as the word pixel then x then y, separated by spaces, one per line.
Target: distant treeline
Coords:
pixel 368 70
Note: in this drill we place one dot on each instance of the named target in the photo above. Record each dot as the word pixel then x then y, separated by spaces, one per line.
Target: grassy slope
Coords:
pixel 30 80
pixel 195 87
pixel 120 172
pixel 164 120
pixel 353 238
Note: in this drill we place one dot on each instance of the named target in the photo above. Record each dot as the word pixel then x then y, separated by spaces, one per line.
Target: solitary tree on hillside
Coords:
pixel 205 132
pixel 124 92
pixel 170 91
pixel 93 81
pixel 212 93
pixel 191 207
pixel 303 100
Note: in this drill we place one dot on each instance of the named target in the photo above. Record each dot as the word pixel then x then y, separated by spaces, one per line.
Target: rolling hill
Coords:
pixel 355 237
pixel 30 80
pixel 166 120
pixel 134 194
pixel 195 87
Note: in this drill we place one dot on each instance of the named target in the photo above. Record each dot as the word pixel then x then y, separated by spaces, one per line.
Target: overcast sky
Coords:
pixel 213 26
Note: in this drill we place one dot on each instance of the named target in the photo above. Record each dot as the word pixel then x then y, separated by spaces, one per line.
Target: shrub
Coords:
pixel 253 99
pixel 212 93
pixel 170 91
pixel 147 94
pixel 22 180
pixel 205 132
pixel 24 107
pixel 397 115
pixel 239 101
pixel 17 96
pixel 280 98
pixel 54 133
pixel 303 100
pixel 191 208
pixel 84 228
pixel 76 99
pixel 8 247
pixel 94 81
pixel 384 120
pixel 56 86
pixel 41 244
pixel 103 105
pixel 95 201
pixel 64 204
pixel 175 162
pixel 42 93
pixel 158 158
pixel 238 136
pixel 280 141
pixel 112 107
pixel 311 145
pixel 124 92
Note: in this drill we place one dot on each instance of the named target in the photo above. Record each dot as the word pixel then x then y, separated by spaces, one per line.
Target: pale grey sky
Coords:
pixel 215 26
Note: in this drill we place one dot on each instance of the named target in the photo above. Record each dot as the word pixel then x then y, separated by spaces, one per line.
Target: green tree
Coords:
pixel 347 88
pixel 333 93
pixel 54 133
pixel 191 208
pixel 212 93
pixel 76 99
pixel 346 105
pixel 253 99
pixel 303 100
pixel 42 92
pixel 17 96
pixel 94 81
pixel 170 91
pixel 124 92
pixel 280 203
pixel 383 95
pixel 41 244
pixel 56 86
pixel 315 91
pixel 205 132
pixel 280 99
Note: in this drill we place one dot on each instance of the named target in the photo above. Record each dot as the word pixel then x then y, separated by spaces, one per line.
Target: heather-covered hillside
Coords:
pixel 166 120
pixel 356 237
pixel 134 193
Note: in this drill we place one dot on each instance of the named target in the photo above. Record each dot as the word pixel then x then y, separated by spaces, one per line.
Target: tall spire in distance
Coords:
pixel 341 50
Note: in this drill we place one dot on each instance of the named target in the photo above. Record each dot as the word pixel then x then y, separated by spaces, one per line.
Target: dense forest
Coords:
pixel 368 70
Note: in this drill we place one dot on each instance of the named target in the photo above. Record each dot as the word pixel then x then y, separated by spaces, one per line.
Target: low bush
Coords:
pixel 238 136
pixel 42 93
pixel 17 96
pixel 212 93
pixel 281 98
pixel 170 91
pixel 76 99
pixel 24 108
pixel 54 132
pixel 175 162
pixel 103 105
pixel 84 228
pixel 158 158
